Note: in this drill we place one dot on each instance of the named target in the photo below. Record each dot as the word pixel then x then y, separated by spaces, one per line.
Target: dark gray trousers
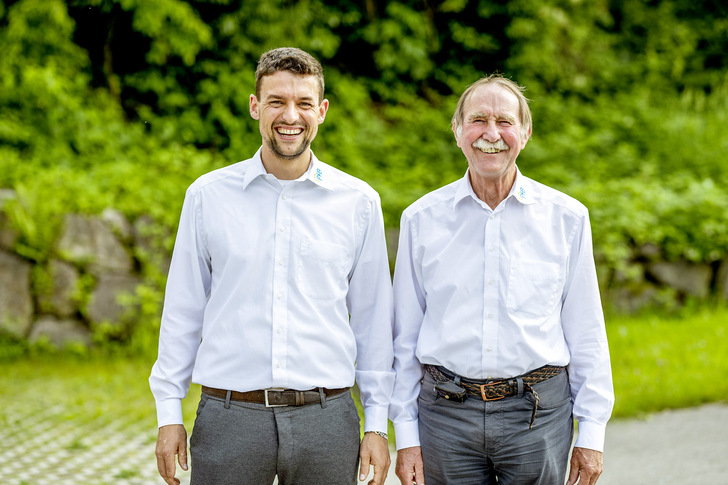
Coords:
pixel 479 442
pixel 245 443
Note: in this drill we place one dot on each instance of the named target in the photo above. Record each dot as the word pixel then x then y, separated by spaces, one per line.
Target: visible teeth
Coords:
pixel 486 147
pixel 290 131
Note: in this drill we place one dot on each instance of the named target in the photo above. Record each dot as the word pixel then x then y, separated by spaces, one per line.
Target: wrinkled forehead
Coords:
pixel 492 100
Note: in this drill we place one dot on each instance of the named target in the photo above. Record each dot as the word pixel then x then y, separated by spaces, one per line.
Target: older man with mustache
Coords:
pixel 500 340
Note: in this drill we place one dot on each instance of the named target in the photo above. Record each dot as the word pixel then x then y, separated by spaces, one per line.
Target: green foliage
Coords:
pixel 123 103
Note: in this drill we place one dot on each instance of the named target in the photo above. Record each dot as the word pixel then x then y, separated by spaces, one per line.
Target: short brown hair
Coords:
pixel 289 59
pixel 512 86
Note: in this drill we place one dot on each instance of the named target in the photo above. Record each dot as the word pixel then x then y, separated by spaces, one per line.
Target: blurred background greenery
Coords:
pixel 123 103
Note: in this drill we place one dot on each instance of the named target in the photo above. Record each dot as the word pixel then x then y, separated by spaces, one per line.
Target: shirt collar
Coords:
pixel 318 172
pixel 522 189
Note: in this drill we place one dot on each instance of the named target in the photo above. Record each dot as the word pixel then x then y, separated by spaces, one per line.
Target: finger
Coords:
pixel 379 474
pixel 573 474
pixel 364 467
pixel 419 473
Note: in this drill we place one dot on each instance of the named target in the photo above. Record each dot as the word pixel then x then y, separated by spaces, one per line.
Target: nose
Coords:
pixel 290 114
pixel 490 132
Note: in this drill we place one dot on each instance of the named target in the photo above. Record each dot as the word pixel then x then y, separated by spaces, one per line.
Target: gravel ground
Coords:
pixel 674 447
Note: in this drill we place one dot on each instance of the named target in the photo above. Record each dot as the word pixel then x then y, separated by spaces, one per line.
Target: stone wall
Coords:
pixel 96 262
pixel 94 267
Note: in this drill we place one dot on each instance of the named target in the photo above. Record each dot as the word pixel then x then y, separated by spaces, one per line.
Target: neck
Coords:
pixel 492 191
pixel 285 169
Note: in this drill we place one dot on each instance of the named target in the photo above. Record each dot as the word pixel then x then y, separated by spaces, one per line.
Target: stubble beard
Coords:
pixel 276 148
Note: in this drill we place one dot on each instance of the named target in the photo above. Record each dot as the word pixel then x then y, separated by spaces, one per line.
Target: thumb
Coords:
pixel 419 474
pixel 573 474
pixel 182 454
pixel 364 467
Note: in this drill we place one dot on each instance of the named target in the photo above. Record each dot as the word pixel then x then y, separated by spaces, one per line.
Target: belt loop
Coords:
pixel 322 397
pixel 519 380
pixel 227 399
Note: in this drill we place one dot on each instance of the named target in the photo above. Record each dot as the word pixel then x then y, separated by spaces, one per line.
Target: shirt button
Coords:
pixel 490 315
pixel 279 296
pixel 492 216
pixel 284 197
pixel 489 349
pixel 279 365
pixel 491 249
pixel 283 228
pixel 278 330
pixel 280 262
pixel 491 282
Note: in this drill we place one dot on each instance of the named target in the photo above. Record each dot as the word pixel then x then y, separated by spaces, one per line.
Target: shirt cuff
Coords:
pixel 375 418
pixel 407 434
pixel 169 411
pixel 591 435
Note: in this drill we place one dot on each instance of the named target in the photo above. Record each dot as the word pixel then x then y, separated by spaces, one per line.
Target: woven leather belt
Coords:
pixel 497 389
pixel 275 397
pixel 494 390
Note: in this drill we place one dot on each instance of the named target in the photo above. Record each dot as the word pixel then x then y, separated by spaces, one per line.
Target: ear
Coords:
pixel 254 113
pixel 323 109
pixel 526 138
pixel 457 130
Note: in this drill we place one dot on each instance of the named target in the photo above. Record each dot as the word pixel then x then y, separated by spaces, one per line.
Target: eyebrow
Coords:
pixel 278 96
pixel 498 117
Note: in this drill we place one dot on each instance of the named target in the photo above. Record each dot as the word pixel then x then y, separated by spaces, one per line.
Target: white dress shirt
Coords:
pixel 497 293
pixel 277 285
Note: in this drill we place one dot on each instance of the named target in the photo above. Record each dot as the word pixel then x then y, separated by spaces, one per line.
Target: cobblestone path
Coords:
pixel 48 448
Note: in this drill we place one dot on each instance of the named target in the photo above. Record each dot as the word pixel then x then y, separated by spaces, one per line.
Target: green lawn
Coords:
pixel 657 364
pixel 660 363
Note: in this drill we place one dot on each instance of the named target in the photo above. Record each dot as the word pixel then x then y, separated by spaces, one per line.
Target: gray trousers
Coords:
pixel 246 443
pixel 479 442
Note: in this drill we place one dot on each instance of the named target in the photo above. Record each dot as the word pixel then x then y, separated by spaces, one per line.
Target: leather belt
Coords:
pixel 276 397
pixel 496 389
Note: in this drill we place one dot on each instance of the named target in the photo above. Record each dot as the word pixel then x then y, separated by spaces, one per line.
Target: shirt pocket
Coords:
pixel 533 288
pixel 321 270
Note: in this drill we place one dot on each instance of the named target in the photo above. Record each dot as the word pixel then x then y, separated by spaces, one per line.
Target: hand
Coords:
pixel 374 451
pixel 409 466
pixel 586 466
pixel 171 441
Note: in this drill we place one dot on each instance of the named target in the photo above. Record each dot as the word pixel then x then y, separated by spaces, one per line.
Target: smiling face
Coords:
pixel 289 112
pixel 491 135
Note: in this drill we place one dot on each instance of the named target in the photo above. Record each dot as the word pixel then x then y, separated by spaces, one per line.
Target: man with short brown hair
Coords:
pixel 278 299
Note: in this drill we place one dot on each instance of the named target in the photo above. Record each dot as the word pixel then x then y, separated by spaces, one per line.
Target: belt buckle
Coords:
pixel 482 391
pixel 274 389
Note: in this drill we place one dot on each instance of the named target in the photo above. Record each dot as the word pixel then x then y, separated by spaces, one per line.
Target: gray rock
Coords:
pixel 104 304
pixel 689 278
pixel 119 224
pixel 60 332
pixel 89 241
pixel 722 280
pixel 60 298
pixel 16 300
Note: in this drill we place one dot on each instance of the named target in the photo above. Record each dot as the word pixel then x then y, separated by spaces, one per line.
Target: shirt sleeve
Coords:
pixel 582 320
pixel 188 286
pixel 369 301
pixel 409 310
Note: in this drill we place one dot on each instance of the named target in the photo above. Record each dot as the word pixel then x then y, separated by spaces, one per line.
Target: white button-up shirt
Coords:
pixel 277 285
pixel 497 293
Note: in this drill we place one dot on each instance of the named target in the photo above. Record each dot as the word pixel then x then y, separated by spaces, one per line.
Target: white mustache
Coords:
pixel 483 145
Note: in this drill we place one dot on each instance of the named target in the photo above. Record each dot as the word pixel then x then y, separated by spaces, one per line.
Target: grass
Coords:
pixel 668 362
pixel 657 363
